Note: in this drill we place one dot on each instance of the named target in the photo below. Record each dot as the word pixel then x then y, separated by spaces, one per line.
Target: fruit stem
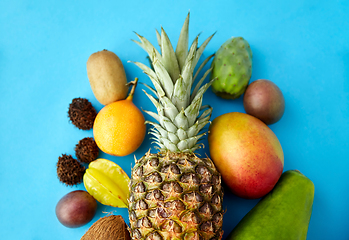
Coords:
pixel 134 84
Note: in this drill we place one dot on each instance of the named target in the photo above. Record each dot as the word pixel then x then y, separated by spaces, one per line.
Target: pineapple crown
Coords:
pixel 180 114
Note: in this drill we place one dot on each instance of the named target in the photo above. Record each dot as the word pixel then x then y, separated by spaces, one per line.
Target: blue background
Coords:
pixel 302 46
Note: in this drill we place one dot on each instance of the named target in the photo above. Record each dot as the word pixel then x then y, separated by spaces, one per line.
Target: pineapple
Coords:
pixel 174 194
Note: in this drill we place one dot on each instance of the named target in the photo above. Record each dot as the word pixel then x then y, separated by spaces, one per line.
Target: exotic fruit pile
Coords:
pixel 175 193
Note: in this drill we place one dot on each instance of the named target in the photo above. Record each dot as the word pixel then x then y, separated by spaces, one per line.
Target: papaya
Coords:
pixel 283 214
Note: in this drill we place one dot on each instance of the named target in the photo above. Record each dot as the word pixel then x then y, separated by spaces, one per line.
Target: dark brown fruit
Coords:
pixel 264 100
pixel 86 150
pixel 69 170
pixel 76 209
pixel 108 228
pixel 81 113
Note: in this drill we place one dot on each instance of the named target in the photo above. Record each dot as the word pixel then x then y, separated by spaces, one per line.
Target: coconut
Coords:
pixel 112 227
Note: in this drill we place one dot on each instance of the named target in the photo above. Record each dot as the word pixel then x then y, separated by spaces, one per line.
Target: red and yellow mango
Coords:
pixel 247 153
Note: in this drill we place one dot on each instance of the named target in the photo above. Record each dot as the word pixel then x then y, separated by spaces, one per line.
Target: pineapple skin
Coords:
pixel 175 196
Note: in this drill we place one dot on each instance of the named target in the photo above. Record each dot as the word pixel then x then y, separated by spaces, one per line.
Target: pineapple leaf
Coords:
pixel 150 63
pixel 169 57
pixel 199 84
pixel 189 143
pixel 197 137
pixel 202 65
pixel 181 120
pixel 205 106
pixel 193 149
pixel 170 110
pixel 156 103
pixel 153 114
pixel 187 73
pixel 181 116
pixel 182 145
pixel 147 46
pixel 156 135
pixel 192 111
pixel 153 131
pixel 169 145
pixel 160 91
pixel 164 77
pixel 189 150
pixel 191 55
pixel 202 90
pixel 167 124
pixel 182 134
pixel 157 141
pixel 187 80
pixel 161 148
pixel 202 48
pixel 158 37
pixel 173 138
pixel 179 97
pixel 206 115
pixel 195 129
pixel 151 89
pixel 182 45
pixel 146 69
pixel 152 75
pixel 158 128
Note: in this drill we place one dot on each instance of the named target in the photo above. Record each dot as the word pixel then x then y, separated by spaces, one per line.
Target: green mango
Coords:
pixel 283 214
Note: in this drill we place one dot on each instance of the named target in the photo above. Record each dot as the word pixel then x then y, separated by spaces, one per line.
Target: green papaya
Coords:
pixel 283 214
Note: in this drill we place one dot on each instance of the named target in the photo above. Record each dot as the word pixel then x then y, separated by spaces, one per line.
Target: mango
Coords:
pixel 283 214
pixel 247 153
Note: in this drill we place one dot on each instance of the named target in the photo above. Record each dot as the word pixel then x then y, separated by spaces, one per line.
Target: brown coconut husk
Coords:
pixel 111 227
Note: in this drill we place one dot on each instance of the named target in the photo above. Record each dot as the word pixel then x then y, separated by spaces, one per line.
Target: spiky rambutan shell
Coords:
pixel 86 150
pixel 69 170
pixel 81 113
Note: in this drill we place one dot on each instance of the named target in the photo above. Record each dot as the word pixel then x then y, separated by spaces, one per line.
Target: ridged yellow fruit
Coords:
pixel 107 183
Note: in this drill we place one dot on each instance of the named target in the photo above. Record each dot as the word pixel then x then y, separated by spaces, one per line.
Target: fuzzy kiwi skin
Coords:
pixel 107 77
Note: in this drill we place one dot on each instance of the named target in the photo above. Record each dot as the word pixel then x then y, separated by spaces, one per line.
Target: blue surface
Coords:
pixel 301 46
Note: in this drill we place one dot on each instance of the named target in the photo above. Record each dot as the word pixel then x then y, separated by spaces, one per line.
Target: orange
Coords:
pixel 119 128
